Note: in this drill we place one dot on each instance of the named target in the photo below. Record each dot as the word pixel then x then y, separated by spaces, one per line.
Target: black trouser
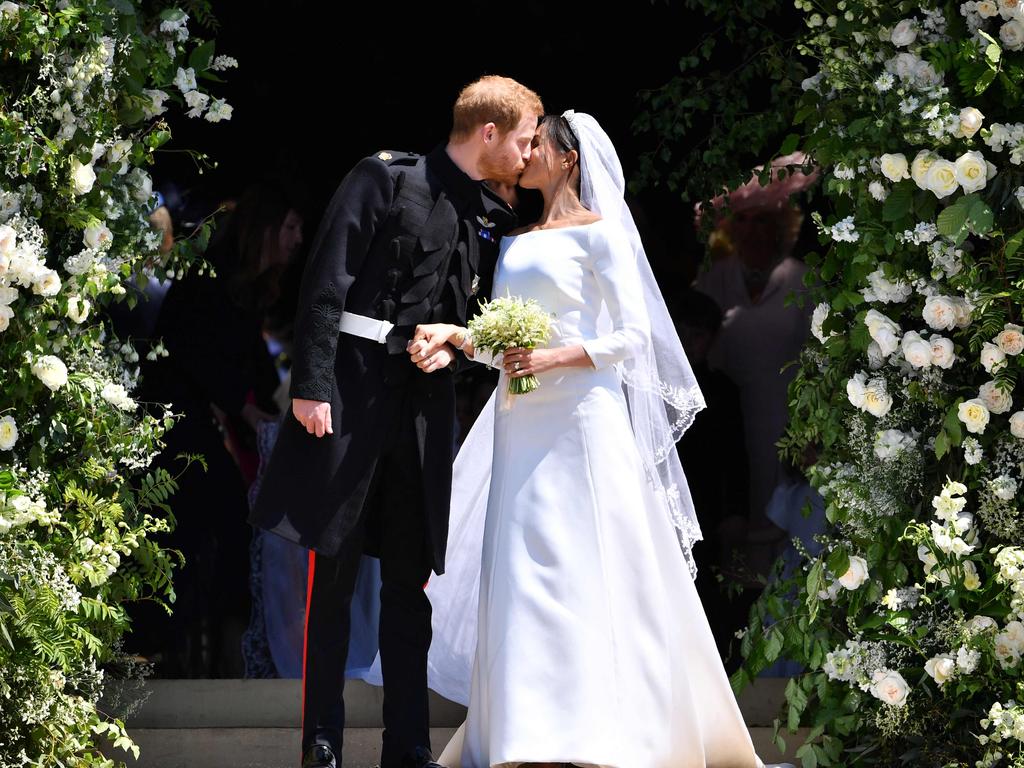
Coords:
pixel 394 513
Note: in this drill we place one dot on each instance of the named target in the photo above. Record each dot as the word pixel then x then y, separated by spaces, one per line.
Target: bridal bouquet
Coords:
pixel 508 322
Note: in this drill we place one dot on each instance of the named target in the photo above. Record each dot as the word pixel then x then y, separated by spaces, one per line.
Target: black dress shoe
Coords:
pixel 421 758
pixel 319 756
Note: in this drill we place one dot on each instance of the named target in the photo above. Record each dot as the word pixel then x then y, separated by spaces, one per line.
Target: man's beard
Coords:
pixel 492 168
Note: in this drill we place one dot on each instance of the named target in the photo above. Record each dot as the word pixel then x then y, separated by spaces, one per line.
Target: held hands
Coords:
pixel 430 362
pixel 314 415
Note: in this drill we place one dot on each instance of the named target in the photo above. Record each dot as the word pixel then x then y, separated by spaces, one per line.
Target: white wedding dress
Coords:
pixel 593 647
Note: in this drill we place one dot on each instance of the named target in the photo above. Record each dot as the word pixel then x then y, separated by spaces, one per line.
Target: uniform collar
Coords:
pixel 469 195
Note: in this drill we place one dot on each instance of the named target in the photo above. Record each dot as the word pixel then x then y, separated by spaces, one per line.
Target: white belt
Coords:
pixel 366 327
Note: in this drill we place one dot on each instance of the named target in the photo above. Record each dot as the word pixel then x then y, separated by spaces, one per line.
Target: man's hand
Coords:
pixel 314 415
pixel 430 363
pixel 429 338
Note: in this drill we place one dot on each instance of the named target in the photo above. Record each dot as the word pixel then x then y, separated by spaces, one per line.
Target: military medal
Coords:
pixel 485 228
pixel 475 285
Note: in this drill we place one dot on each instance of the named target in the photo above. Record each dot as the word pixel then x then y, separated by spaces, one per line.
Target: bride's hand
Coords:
pixel 530 361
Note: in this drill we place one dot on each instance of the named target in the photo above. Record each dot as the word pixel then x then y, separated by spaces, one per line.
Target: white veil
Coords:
pixel 663 398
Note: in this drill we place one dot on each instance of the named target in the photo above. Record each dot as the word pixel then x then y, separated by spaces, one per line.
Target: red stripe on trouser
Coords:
pixel 305 634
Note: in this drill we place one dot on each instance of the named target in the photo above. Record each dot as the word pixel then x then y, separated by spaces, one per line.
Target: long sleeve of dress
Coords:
pixel 358 208
pixel 614 266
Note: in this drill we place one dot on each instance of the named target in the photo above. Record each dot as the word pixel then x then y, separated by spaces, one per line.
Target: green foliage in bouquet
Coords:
pixel 84 86
pixel 507 322
pixel 909 622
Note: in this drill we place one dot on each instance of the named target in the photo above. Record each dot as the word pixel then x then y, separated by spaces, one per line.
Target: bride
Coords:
pixel 567 617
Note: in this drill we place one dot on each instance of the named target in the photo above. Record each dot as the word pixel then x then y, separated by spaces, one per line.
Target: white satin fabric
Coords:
pixel 567 618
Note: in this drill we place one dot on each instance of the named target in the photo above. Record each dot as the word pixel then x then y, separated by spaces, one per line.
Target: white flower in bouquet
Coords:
pixel 116 395
pixel 8 240
pixel 971 171
pixel 1011 339
pixel 8 433
pixel 47 283
pixel 972 581
pixel 1008 9
pixel 970 121
pixel 992 358
pixel 886 291
pixel 941 178
pixel 1012 35
pixel 155 104
pixel 892 442
pixel 817 318
pixel 844 172
pixel 197 101
pixel 185 79
pixel 142 185
pixel 904 33
pixel 222 63
pixel 895 166
pixel 844 231
pixel 1003 487
pixel 856 574
pixel 6 315
pixel 941 668
pixel 117 152
pixel 947 505
pixel 980 625
pixel 974 414
pixel 78 308
pixel 942 352
pixel 889 686
pixel 973 452
pixel 878 191
pixel 1017 425
pixel 877 400
pixel 51 371
pixel 1008 646
pixel 97 236
pixel 882 330
pixel 995 399
pixel 219 110
pixel 940 312
pixel 962 312
pixel 967 659
pixel 920 166
pixel 82 177
pixel 987 9
pixel 927 557
pixel 507 322
pixel 916 350
pixel 876 358
pixel 855 388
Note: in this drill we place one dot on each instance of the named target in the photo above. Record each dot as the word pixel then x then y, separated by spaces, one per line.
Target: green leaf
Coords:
pixel 980 216
pixel 201 57
pixel 839 561
pixel 773 645
pixel 172 14
pixel 984 81
pixel 953 219
pixel 1014 243
pixel 807 755
pixel 941 444
pixel 789 144
pixel 898 203
pixel 952 425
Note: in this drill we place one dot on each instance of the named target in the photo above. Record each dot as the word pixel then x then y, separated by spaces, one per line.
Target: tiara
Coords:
pixel 570 115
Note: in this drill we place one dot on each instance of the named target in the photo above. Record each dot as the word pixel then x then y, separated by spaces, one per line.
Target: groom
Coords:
pixel 365 464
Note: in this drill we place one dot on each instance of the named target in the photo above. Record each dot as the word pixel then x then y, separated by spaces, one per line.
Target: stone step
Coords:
pixel 279 747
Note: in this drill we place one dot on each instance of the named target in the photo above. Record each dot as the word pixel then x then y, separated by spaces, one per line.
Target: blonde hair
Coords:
pixel 492 99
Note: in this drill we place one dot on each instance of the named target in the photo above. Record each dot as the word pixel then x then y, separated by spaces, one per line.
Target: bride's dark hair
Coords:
pixel 558 128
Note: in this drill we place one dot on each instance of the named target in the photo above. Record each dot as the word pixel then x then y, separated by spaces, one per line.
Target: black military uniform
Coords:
pixel 408 239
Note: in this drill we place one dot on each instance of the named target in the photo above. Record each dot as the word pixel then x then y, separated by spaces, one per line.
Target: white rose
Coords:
pixel 875 357
pixel 47 283
pixel 925 75
pixel 920 166
pixel 986 9
pixel 890 687
pixel 97 236
pixel 904 33
pixel 916 350
pixel 1015 631
pixel 8 239
pixel 1011 339
pixel 78 308
pixel 817 318
pixel 887 340
pixel 970 121
pixel 82 177
pixel 974 414
pixel 856 574
pixel 895 167
pixel 940 312
pixel 962 310
pixel 1017 425
pixel 1012 35
pixel 942 352
pixel 992 357
pixel 51 371
pixel 877 401
pixel 8 433
pixel 941 668
pixel 1006 651
pixel 994 398
pixel 9 9
pixel 6 313
pixel 982 624
pixel 941 178
pixel 971 171
pixel 967 659
pixel 855 389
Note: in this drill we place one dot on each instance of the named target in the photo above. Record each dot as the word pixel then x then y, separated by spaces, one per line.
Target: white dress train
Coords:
pixel 590 643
